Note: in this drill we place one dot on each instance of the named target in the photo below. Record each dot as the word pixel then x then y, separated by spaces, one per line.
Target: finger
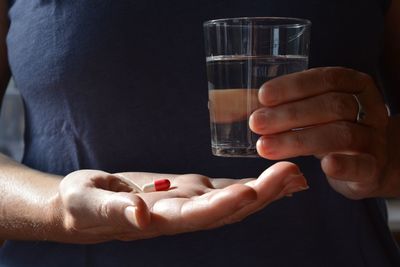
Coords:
pixel 313 82
pixel 193 214
pixel 280 179
pixel 197 180
pixel 220 183
pixel 333 137
pixel 355 168
pixel 276 180
pixel 311 111
pixel 100 211
pixel 375 111
pixel 122 210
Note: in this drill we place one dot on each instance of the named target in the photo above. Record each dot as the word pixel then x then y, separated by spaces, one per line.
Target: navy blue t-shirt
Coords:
pixel 120 85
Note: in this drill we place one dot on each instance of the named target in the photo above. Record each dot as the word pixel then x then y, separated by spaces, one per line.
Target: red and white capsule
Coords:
pixel 157 185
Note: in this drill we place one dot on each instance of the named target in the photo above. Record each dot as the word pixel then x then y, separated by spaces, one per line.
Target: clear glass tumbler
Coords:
pixel 241 55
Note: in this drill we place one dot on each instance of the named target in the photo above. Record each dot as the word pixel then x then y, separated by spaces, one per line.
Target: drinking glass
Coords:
pixel 241 55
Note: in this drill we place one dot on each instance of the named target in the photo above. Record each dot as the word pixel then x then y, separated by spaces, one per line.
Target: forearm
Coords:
pixel 27 201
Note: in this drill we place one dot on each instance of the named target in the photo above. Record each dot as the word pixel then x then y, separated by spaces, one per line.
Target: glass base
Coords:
pixel 234 152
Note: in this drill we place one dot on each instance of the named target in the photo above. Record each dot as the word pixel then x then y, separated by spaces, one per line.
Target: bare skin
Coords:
pixel 360 160
pixel 91 206
pixel 97 206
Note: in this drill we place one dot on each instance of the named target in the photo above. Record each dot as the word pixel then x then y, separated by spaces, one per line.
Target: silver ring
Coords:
pixel 361 112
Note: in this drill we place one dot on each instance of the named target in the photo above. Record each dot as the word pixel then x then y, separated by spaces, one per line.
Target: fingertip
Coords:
pixel 253 122
pixel 130 213
pixel 139 218
pixel 289 167
pixel 359 167
pixel 295 183
pixel 133 208
pixel 331 166
pixel 266 94
pixel 265 149
pixel 261 121
pixel 275 180
pixel 143 216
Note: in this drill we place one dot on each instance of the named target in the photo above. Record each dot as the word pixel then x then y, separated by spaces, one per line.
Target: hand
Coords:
pixel 96 206
pixel 314 113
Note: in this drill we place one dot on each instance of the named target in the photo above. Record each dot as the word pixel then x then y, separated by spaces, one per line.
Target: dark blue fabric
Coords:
pixel 120 85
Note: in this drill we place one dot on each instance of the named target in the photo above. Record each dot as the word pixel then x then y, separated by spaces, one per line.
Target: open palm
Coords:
pixel 194 202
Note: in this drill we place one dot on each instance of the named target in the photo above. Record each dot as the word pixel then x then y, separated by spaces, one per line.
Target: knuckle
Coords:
pixel 299 140
pixel 345 136
pixel 105 209
pixel 292 113
pixel 330 77
pixel 337 105
pixel 300 81
pixel 204 180
pixel 374 144
pixel 111 212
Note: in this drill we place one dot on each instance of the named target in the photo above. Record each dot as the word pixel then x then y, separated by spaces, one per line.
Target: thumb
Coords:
pixel 123 210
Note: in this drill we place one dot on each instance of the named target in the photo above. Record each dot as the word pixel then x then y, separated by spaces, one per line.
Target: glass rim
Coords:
pixel 287 22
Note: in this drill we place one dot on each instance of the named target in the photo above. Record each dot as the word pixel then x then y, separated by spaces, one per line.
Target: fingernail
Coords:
pixel 297 189
pixel 130 215
pixel 259 118
pixel 268 143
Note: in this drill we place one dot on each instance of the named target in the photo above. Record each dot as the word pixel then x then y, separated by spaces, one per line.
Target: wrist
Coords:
pixel 54 218
pixel 392 170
